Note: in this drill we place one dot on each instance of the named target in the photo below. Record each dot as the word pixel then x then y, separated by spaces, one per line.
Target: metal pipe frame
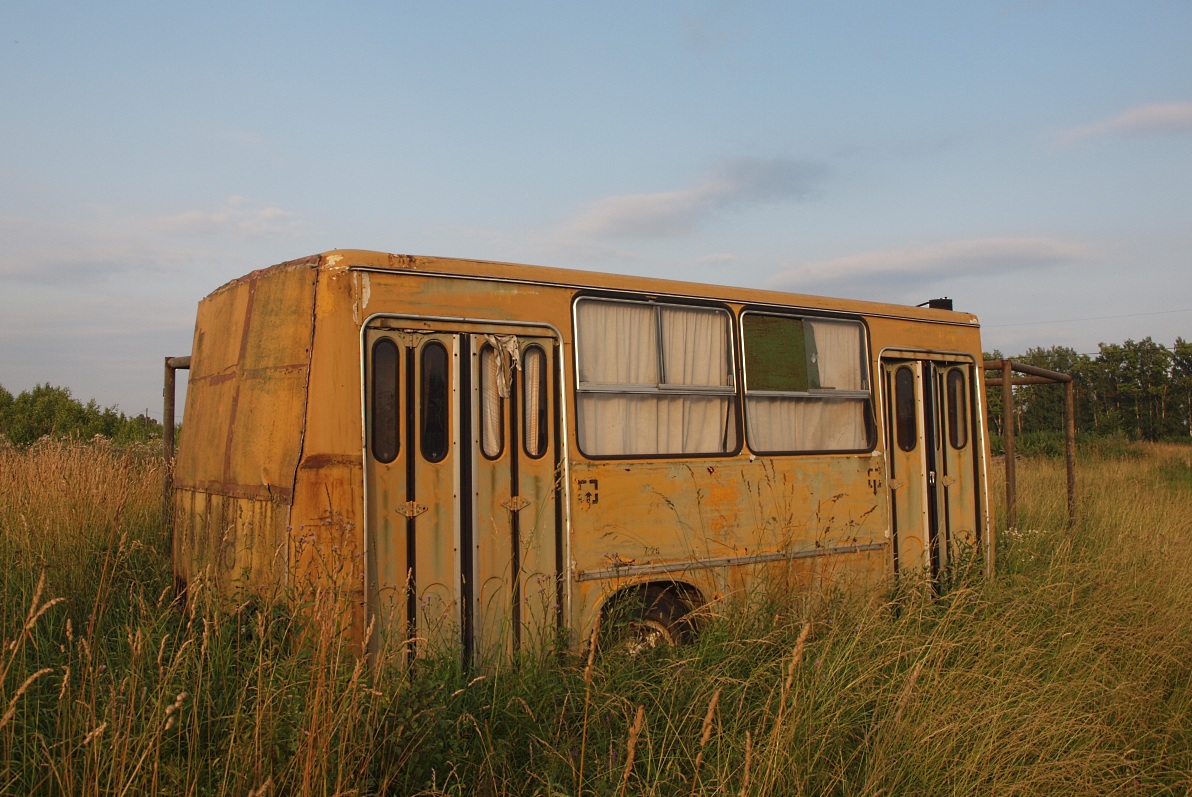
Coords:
pixel 1035 376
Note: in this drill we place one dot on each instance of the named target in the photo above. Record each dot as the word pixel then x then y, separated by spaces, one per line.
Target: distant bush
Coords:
pixel 1051 444
pixel 48 411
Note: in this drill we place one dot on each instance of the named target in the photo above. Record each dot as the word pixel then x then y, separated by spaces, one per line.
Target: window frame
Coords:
pixel 483 398
pixel 906 424
pixel 424 405
pixel 543 389
pixel 866 394
pixel 956 408
pixel 731 392
pixel 390 426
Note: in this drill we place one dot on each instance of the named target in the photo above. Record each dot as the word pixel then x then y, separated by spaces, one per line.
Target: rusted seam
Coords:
pixel 310 355
pixel 252 293
pixel 684 565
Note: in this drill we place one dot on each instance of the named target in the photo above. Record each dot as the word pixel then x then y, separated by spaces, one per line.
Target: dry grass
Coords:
pixel 1072 673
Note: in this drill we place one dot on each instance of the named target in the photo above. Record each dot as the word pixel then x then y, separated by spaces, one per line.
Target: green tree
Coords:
pixel 1181 387
pixel 1042 406
pixel 52 411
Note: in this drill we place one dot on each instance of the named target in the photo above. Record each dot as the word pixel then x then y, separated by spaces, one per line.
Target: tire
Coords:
pixel 650 618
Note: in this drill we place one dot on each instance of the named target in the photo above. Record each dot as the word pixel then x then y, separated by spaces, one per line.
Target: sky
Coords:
pixel 1032 160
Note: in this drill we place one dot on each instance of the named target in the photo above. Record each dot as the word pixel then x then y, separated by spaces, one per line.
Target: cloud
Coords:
pixel 918 264
pixel 82 251
pixel 1171 117
pixel 737 183
pixel 103 242
pixel 235 217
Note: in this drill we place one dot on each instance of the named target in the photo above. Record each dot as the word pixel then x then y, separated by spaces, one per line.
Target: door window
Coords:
pixel 905 421
pixel 386 372
pixel 534 424
pixel 435 410
pixel 957 409
pixel 492 433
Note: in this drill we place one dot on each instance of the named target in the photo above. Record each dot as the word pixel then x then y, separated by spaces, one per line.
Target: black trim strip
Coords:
pixel 946 451
pixel 411 541
pixel 468 361
pixel 976 453
pixel 555 397
pixel 930 441
pixel 891 458
pixel 515 384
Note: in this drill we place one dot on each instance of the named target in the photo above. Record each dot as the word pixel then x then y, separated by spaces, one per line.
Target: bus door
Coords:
pixel 464 518
pixel 932 464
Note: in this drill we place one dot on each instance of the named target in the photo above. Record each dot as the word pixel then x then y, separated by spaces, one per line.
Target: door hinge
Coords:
pixel 515 504
pixel 931 477
pixel 411 509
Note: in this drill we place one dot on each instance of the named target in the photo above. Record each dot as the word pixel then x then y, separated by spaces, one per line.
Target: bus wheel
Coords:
pixel 653 617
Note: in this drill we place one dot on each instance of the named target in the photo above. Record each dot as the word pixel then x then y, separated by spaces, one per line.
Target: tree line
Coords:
pixel 1140 390
pixel 48 411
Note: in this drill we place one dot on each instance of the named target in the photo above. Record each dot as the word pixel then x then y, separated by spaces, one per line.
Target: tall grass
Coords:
pixel 1070 673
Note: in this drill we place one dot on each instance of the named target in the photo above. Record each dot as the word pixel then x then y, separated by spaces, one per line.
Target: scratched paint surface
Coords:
pixel 633 513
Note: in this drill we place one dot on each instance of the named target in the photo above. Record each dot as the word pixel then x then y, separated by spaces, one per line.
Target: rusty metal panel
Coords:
pixel 233 544
pixel 219 325
pixel 243 428
pixel 266 436
pixel 633 516
pixel 325 538
pixel 333 412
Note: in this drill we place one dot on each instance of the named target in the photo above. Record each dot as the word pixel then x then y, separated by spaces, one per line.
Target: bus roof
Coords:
pixel 365 260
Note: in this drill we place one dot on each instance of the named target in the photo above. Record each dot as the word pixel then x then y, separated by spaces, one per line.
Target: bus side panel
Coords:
pixel 630 515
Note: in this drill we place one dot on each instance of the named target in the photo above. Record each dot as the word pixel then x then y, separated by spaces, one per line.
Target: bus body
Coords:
pixel 484 455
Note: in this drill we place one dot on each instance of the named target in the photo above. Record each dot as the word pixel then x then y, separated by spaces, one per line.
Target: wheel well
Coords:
pixel 639 599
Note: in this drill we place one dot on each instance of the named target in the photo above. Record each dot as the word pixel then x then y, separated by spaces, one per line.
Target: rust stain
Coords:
pixel 255 492
pixel 316 461
pixel 403 261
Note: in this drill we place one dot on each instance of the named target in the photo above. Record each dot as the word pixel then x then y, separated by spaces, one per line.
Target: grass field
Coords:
pixel 1070 674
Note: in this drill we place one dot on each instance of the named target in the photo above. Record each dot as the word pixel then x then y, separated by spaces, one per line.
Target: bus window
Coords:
pixel 534 401
pixel 654 379
pixel 806 384
pixel 433 428
pixel 385 402
pixel 957 409
pixel 492 433
pixel 904 409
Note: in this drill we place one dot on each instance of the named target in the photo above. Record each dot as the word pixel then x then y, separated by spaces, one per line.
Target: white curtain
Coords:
pixel 838 353
pixel 619 345
pixel 490 403
pixel 806 424
pixel 695 347
pixel 533 374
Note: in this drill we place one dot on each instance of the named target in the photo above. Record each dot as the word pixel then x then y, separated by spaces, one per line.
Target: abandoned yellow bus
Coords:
pixel 485 455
